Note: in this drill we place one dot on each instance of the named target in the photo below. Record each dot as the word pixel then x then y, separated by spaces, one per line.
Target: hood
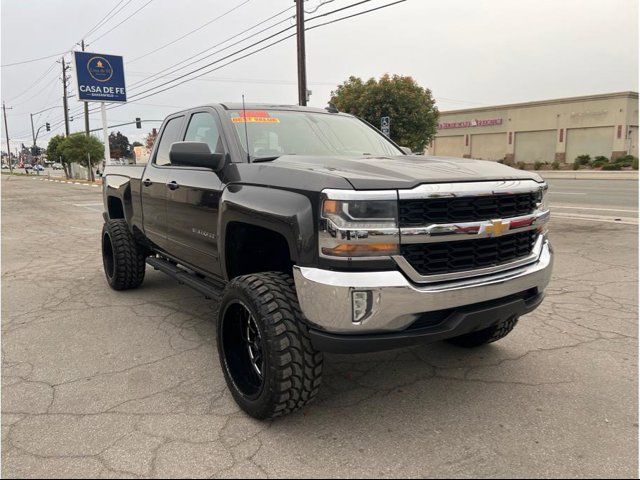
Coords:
pixel 404 171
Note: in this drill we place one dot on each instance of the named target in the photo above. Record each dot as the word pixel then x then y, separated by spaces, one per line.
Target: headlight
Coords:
pixel 359 224
pixel 543 198
pixel 361 213
pixel 543 206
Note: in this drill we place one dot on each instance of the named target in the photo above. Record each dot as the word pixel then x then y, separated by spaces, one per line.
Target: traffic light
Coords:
pixel 48 127
pixel 138 122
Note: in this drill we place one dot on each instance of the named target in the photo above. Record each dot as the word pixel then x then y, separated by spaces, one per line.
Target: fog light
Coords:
pixel 360 305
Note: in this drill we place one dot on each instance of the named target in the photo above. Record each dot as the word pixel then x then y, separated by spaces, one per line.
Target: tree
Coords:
pixel 151 138
pixel 55 153
pixel 411 108
pixel 119 146
pixel 78 148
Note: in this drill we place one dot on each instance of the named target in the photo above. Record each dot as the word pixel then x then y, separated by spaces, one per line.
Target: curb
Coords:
pixel 588 174
pixel 70 182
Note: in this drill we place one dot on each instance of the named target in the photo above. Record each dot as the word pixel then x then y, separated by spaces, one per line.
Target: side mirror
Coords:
pixel 195 154
pixel 406 150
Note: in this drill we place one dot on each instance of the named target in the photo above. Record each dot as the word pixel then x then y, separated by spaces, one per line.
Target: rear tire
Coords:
pixel 265 352
pixel 123 259
pixel 488 335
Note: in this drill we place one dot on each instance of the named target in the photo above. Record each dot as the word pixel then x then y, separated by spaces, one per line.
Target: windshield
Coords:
pixel 276 132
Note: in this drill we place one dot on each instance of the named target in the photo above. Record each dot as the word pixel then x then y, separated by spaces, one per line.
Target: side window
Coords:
pixel 203 128
pixel 170 134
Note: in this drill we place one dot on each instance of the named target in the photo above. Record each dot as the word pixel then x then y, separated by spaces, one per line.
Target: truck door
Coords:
pixel 193 196
pixel 154 184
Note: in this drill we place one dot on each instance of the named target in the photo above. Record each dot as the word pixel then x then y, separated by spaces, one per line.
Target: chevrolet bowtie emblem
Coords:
pixel 497 228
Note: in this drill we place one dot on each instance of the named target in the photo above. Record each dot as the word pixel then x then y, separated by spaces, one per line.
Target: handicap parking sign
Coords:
pixel 385 125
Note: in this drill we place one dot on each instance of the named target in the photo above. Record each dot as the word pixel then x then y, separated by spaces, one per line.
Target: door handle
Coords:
pixel 173 185
pixel 147 182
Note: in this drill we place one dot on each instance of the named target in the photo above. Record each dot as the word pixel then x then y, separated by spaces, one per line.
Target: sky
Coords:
pixel 468 53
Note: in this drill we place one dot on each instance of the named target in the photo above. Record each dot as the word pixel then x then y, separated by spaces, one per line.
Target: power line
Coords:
pixel 32 60
pixel 191 32
pixel 142 82
pixel 260 49
pixel 106 18
pixel 261 81
pixel 47 72
pixel 117 25
pixel 318 7
pixel 157 74
pixel 140 95
pixel 354 15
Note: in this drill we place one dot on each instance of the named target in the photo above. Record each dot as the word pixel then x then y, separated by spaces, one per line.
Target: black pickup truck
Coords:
pixel 316 233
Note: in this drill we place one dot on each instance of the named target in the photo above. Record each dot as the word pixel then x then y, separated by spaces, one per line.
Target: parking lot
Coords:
pixel 128 384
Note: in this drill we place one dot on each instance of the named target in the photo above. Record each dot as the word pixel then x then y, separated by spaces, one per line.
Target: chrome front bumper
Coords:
pixel 326 296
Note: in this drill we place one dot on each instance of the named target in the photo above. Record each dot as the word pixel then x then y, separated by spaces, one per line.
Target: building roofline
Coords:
pixel 535 103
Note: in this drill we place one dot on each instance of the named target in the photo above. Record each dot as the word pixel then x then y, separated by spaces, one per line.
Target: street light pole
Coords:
pixel 86 104
pixel 33 133
pixel 302 68
pixel 6 131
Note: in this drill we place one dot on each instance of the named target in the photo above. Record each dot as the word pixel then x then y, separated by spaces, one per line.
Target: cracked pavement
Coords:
pixel 98 383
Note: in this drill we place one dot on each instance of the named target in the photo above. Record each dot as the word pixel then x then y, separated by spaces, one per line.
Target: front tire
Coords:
pixel 123 259
pixel 265 352
pixel 487 335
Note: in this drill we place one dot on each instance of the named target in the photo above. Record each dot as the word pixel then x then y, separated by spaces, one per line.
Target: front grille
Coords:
pixel 423 212
pixel 463 255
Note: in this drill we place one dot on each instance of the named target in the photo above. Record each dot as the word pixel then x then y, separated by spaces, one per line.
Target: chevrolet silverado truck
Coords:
pixel 316 233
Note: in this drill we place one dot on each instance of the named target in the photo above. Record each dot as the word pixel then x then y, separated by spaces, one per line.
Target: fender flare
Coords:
pixel 118 186
pixel 282 211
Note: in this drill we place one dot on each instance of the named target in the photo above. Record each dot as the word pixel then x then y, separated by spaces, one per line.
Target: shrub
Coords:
pixel 634 164
pixel 612 166
pixel 576 164
pixel 583 159
pixel 537 165
pixel 501 161
pixel 599 161
pixel 626 161
pixel 556 165
pixel 521 165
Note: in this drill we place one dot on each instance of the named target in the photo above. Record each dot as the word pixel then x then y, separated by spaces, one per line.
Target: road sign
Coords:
pixel 100 77
pixel 385 126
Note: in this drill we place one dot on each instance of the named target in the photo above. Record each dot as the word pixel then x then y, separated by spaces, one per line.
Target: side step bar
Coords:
pixel 208 289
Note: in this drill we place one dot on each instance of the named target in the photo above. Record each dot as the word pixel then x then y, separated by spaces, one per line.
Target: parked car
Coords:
pixel 5 166
pixel 316 233
pixel 57 166
pixel 38 168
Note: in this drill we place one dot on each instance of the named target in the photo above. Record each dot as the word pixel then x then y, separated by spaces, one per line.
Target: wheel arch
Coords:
pixel 279 214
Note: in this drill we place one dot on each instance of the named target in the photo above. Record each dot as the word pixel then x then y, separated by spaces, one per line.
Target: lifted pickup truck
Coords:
pixel 316 233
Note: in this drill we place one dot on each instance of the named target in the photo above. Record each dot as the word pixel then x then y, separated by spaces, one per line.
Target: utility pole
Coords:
pixel 302 68
pixel 86 104
pixel 33 132
pixel 86 128
pixel 6 131
pixel 64 97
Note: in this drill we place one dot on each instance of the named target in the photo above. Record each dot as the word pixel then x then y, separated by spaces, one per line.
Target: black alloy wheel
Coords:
pixel 243 349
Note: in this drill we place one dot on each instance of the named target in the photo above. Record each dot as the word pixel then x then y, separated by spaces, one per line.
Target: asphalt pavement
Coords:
pixel 599 200
pixel 98 383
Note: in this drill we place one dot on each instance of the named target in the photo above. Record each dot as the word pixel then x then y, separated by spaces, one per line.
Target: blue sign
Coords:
pixel 100 77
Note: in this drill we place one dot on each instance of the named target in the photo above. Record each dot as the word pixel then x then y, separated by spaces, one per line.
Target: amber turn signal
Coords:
pixel 361 250
pixel 330 206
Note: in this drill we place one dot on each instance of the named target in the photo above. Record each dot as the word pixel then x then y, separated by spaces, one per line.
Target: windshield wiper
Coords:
pixel 266 159
pixel 270 158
